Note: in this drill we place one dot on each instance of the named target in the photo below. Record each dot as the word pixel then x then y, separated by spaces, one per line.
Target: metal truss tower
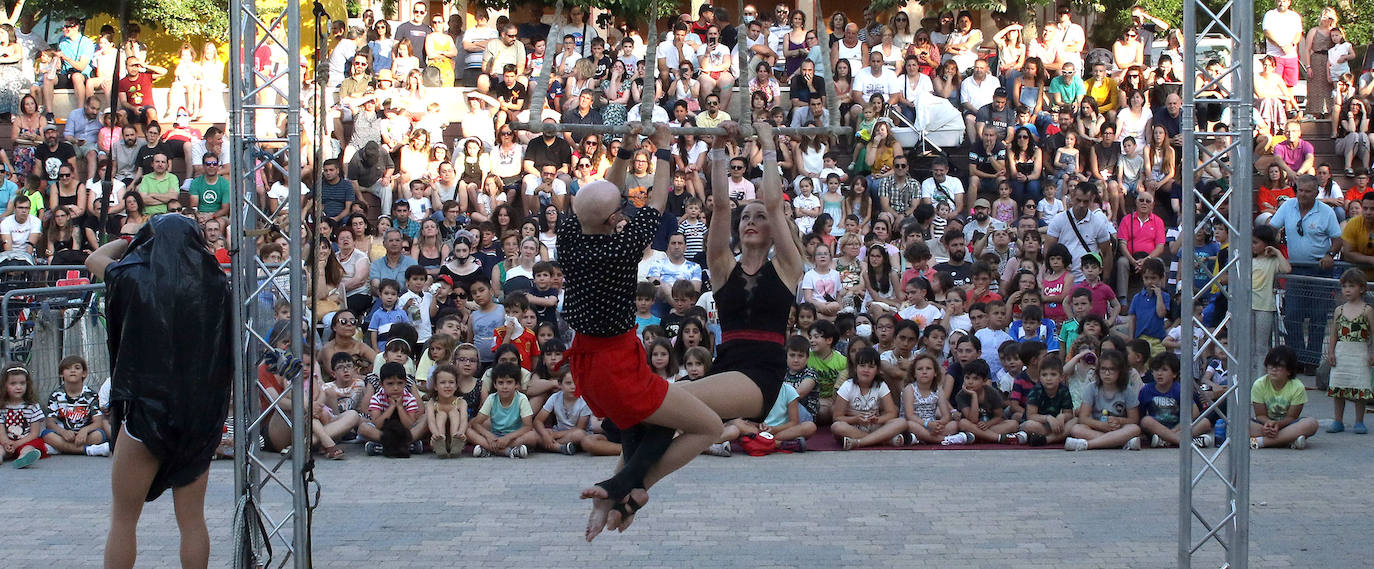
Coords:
pixel 1214 484
pixel 265 134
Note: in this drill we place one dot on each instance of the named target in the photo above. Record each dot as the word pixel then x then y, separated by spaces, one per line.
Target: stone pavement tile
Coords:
pixel 873 509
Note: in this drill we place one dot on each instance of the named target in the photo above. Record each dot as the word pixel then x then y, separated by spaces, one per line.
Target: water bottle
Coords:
pixel 1220 431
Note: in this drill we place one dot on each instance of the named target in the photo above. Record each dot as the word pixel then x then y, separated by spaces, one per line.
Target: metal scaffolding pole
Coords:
pixel 272 503
pixel 1226 529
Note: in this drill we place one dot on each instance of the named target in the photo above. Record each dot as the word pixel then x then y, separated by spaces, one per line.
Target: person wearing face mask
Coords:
pixel 462 266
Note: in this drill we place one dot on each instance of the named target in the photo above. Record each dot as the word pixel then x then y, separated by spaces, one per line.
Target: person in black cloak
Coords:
pixel 168 305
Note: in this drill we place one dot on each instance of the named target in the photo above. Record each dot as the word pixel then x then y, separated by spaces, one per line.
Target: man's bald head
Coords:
pixel 595 203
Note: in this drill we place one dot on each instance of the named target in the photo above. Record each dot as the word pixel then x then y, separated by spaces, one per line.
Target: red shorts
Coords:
pixel 715 74
pixel 36 443
pixel 613 377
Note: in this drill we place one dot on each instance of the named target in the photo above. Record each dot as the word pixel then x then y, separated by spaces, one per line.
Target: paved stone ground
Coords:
pixel 985 509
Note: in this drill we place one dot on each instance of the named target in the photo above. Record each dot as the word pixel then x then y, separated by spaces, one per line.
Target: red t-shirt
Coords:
pixel 526 343
pixel 139 91
pixel 1270 197
pixel 1355 194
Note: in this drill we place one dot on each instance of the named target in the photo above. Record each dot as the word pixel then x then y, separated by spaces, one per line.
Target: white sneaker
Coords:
pixel 1203 441
pixel 1072 443
pixel 1133 444
pixel 102 449
pixel 899 440
pixel 479 452
pixel 517 452
pixel 52 450
pixel 849 443
pixel 1258 442
pixel 955 439
pixel 911 439
pixel 1299 443
pixel 719 449
pixel 1156 442
pixel 1022 437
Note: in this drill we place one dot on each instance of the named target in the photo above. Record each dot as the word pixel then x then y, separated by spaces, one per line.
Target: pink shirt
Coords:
pixel 1102 296
pixel 1141 237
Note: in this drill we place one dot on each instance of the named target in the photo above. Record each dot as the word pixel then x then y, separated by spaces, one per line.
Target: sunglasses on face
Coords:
pixel 65 175
pixel 348 321
pixel 210 164
pixel 737 167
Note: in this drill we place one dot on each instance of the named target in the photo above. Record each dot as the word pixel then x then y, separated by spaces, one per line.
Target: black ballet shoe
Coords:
pixel 627 507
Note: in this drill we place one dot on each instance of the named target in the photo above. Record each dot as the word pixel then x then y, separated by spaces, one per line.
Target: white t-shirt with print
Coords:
pixel 20 232
pixel 870 402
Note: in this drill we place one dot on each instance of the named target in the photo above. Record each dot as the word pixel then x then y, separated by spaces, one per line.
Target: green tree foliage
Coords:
pixel 1356 18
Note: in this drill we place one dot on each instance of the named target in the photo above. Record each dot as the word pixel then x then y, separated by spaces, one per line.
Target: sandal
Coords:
pixel 334 453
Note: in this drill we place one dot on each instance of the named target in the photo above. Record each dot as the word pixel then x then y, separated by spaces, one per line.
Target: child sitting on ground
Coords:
pixel 1109 415
pixel 663 359
pixel 865 414
pixel 926 409
pixel 981 406
pixel 1034 326
pixel 570 416
pixel 505 423
pixel 787 422
pixel 1161 409
pixel 446 414
pixel 1049 407
pixel 1009 355
pixel 1278 399
pixel 398 423
pixel 799 376
pixel 1029 353
pixel 75 424
pixel 22 419
pixel 826 362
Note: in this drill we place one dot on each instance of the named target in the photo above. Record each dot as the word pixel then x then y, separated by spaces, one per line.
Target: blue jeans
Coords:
pixel 1027 190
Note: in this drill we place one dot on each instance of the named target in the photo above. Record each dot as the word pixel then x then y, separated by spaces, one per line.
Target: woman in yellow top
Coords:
pixel 440 51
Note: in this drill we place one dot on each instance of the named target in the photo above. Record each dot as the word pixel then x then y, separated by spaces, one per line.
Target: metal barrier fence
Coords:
pixel 47 313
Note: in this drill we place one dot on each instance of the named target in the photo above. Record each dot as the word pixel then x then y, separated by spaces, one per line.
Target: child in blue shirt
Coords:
pixel 1150 306
pixel 644 302
pixel 1160 409
pixel 388 313
pixel 1027 329
pixel 505 423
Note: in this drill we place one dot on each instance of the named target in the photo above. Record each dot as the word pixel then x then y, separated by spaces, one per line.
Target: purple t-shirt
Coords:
pixel 1291 155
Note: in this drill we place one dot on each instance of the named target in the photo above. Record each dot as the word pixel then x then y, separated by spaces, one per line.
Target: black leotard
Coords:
pixel 753 322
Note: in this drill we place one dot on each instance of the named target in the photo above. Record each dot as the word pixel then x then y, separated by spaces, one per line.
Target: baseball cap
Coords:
pixel 982 202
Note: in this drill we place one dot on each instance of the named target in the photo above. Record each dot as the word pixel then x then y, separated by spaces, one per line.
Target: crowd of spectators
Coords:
pixel 1049 234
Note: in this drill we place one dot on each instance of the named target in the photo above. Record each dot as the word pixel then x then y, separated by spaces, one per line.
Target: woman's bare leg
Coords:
pixel 130 476
pixel 189 501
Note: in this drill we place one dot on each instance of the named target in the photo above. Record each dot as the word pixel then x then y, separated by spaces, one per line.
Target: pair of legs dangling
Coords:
pixel 650 451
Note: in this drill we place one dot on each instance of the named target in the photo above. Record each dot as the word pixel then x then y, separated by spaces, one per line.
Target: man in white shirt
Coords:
pixel 1070 36
pixel 673 51
pixel 338 58
pixel 1081 220
pixel 758 44
pixel 876 79
pixel 674 268
pixel 975 92
pixel 545 190
pixel 941 187
pixel 21 230
pixel 1282 34
pixel 717 66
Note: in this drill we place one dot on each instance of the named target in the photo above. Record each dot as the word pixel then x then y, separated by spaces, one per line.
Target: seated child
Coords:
pixel 644 303
pixel 787 422
pixel 22 420
pixel 865 414
pixel 1150 306
pixel 1009 354
pixel 446 414
pixel 923 404
pixel 663 359
pixel 570 414
pixel 1109 416
pixel 1138 359
pixel 518 330
pixel 1161 410
pixel 327 422
pixel 504 424
pixel 388 312
pixel 1030 353
pixel 981 407
pixel 826 361
pixel 75 424
pixel 1049 407
pixel 696 361
pixel 1278 399
pixel 799 376
pixel 1034 326
pixel 397 422
pixel 437 352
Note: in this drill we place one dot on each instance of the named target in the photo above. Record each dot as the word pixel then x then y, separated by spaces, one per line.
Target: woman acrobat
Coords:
pixel 754 301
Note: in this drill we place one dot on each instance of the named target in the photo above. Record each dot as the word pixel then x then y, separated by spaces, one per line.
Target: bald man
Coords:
pixel 601 260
